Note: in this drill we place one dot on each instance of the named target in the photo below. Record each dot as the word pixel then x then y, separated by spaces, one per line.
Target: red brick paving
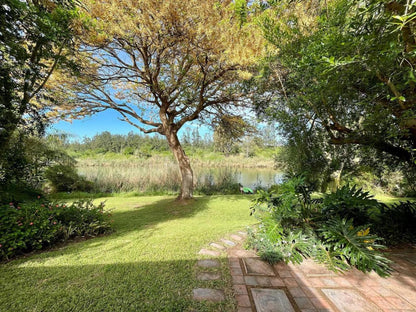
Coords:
pixel 303 284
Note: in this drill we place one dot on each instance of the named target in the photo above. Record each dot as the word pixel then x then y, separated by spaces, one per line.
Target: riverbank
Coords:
pixel 213 173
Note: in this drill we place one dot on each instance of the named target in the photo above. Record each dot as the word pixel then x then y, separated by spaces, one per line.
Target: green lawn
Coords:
pixel 148 264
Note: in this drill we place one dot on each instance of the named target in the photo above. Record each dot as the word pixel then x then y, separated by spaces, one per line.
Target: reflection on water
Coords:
pixel 250 177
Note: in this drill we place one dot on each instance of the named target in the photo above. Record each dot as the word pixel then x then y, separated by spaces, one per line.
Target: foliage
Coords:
pixel 36 40
pixel 39 224
pixel 397 222
pixel 354 245
pixel 334 230
pixel 350 203
pixel 24 165
pixel 64 178
pixel 342 84
pixel 229 130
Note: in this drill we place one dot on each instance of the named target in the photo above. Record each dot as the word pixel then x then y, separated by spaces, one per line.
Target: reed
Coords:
pixel 160 174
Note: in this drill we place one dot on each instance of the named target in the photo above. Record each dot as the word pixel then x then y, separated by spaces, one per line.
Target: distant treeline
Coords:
pixel 146 145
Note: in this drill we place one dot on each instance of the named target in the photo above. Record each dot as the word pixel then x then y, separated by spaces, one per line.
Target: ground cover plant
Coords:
pixel 147 264
pixel 38 224
pixel 342 229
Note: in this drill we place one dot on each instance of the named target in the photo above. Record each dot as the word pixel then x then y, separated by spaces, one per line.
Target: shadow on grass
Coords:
pixel 112 274
pixel 147 215
pixel 141 286
pixel 133 215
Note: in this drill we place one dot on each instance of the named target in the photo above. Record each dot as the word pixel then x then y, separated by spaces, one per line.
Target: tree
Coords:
pixel 228 131
pixel 36 38
pixel 162 64
pixel 345 71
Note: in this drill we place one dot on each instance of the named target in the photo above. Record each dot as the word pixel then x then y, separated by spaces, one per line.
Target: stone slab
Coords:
pixel 348 300
pixel 208 252
pixel 218 246
pixel 208 276
pixel 271 300
pixel 228 242
pixel 208 263
pixel 208 294
pixel 236 238
pixel 255 266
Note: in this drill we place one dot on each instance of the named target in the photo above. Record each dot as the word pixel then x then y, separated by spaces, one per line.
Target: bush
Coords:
pixel 350 203
pixel 333 231
pixel 36 225
pixel 64 178
pixel 396 223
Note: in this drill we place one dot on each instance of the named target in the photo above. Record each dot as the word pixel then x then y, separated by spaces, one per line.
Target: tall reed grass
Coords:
pixel 154 175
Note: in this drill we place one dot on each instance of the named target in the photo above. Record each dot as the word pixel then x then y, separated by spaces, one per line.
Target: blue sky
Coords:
pixel 104 121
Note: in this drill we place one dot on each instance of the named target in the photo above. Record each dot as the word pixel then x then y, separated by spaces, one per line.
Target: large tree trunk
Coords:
pixel 187 183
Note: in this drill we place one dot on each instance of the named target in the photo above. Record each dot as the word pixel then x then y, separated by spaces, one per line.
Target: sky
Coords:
pixel 104 121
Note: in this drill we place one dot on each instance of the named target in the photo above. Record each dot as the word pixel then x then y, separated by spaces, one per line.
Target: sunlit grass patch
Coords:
pixel 148 264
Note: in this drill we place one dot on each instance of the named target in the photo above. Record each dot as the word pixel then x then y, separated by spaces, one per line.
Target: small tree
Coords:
pixel 162 64
pixel 36 39
pixel 345 70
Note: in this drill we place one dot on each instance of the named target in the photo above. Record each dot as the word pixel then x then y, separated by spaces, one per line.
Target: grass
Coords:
pixel 149 264
pixel 389 199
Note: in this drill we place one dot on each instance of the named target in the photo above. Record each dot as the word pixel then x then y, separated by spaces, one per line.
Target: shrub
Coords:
pixel 333 230
pixel 350 203
pixel 64 178
pixel 354 245
pixel 33 226
pixel 396 223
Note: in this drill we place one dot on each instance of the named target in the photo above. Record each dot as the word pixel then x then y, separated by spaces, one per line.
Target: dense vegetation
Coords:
pixel 341 229
pixel 342 88
pixel 38 224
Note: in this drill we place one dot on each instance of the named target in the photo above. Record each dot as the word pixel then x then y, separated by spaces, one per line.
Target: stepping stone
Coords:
pixel 218 246
pixel 271 300
pixel 208 252
pixel 208 263
pixel 208 276
pixel 208 294
pixel 255 266
pixel 236 238
pixel 228 242
pixel 348 300
pixel 242 233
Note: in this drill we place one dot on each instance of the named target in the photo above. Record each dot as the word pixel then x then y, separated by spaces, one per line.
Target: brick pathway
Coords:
pixel 260 287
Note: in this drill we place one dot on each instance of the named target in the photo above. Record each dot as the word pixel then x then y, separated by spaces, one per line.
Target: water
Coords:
pixel 250 177
pixel 259 177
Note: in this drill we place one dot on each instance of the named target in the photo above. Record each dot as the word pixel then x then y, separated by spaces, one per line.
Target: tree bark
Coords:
pixel 187 182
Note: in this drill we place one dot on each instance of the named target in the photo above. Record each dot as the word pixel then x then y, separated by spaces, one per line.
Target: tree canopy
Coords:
pixel 161 64
pixel 36 39
pixel 344 74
